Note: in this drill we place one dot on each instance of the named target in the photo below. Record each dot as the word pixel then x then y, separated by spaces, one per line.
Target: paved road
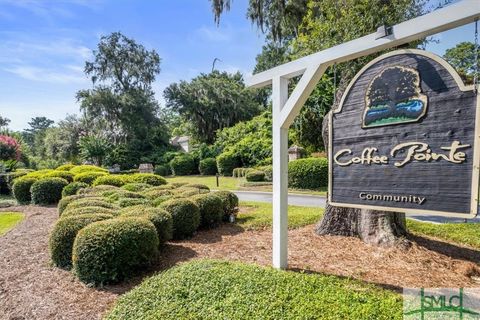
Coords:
pixel 320 201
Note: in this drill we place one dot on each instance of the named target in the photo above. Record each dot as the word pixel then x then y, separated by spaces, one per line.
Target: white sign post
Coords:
pixel 312 67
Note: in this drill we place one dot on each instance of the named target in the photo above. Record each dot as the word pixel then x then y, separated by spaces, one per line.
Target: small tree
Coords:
pixel 94 149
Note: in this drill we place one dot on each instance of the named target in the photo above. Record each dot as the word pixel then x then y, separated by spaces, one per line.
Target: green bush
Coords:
pixel 211 209
pixel 88 177
pixel 158 201
pixel 163 170
pixel 186 217
pixel 309 173
pixel 63 235
pixel 136 187
pixel 208 167
pixel 65 201
pixel 88 210
pixel 206 289
pixel 183 165
pixel 110 180
pixel 87 168
pixel 66 167
pixel 148 178
pixel 229 201
pixel 155 193
pixel 196 186
pixel 115 195
pixel 98 190
pixel 268 170
pixel 90 202
pixel 178 184
pixel 255 176
pixel 112 250
pixel 47 191
pixel 226 162
pixel 60 174
pixel 239 172
pixel 72 188
pixel 21 189
pixel 161 219
pixel 130 202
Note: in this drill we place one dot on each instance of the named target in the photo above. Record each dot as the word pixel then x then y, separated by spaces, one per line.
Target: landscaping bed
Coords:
pixel 30 288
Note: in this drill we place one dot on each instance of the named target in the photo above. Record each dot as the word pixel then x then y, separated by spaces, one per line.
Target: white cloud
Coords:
pixel 45 75
pixel 213 34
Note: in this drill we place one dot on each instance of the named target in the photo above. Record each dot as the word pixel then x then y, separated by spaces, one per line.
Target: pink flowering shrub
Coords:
pixel 9 148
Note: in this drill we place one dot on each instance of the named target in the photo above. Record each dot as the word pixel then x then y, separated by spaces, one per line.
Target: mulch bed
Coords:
pixel 32 289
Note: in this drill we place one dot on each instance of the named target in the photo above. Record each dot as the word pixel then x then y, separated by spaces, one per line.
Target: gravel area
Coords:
pixel 32 289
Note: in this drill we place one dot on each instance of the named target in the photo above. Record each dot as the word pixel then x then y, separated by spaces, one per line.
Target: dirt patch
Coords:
pixel 32 289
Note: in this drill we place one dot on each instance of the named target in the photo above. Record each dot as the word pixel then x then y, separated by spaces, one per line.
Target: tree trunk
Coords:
pixel 374 227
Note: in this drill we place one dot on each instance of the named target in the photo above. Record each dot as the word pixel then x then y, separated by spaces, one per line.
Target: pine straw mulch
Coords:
pixel 31 289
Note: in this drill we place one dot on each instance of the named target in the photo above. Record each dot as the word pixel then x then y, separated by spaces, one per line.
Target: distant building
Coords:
pixel 183 142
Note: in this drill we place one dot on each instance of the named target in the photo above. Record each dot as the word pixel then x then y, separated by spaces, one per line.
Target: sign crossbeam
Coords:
pixel 311 68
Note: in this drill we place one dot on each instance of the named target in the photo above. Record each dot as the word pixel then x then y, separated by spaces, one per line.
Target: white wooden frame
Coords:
pixel 312 67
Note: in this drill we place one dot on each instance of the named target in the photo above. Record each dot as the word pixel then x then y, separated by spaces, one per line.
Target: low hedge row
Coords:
pixel 309 173
pixel 208 167
pixel 103 230
pixel 47 191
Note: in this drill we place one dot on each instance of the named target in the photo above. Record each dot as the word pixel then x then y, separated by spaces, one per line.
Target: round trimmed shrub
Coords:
pixel 148 178
pixel 130 202
pixel 21 189
pixel 98 190
pixel 309 173
pixel 268 170
pixel 88 210
pixel 162 170
pixel 208 167
pixel 178 184
pixel 60 174
pixel 211 209
pixel 87 168
pixel 91 202
pixel 65 201
pixel 255 176
pixel 161 219
pixel 63 235
pixel 186 217
pixel 158 201
pixel 110 180
pixel 196 186
pixel 154 194
pixel 47 191
pixel 65 167
pixel 88 177
pixel 136 187
pixel 229 201
pixel 115 195
pixel 183 165
pixel 226 162
pixel 111 250
pixel 72 188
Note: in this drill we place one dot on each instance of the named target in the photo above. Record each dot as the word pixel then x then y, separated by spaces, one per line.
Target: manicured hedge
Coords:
pixel 66 167
pixel 161 219
pixel 99 190
pixel 65 201
pixel 268 170
pixel 196 186
pixel 156 193
pixel 88 210
pixel 208 167
pixel 309 173
pixel 186 217
pixel 239 172
pixel 136 187
pixel 21 189
pixel 63 235
pixel 87 168
pixel 148 178
pixel 229 201
pixel 60 174
pixel 211 209
pixel 226 162
pixel 115 195
pixel 72 188
pixel 112 250
pixel 110 180
pixel 88 177
pixel 90 202
pixel 205 289
pixel 255 176
pixel 129 202
pixel 183 165
pixel 47 191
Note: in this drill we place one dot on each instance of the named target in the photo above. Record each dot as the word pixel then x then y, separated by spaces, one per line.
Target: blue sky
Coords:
pixel 44 45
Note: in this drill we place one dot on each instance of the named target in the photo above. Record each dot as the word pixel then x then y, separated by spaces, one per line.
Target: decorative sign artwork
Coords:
pixel 405 137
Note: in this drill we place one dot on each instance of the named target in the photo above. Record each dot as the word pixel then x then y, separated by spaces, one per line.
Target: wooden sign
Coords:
pixel 405 137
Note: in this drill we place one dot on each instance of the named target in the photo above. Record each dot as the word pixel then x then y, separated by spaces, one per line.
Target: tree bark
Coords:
pixel 381 228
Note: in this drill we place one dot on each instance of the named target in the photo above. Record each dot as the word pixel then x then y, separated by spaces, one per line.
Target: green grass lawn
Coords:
pixel 258 215
pixel 8 220
pixel 208 289
pixel 230 183
pixel 462 233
